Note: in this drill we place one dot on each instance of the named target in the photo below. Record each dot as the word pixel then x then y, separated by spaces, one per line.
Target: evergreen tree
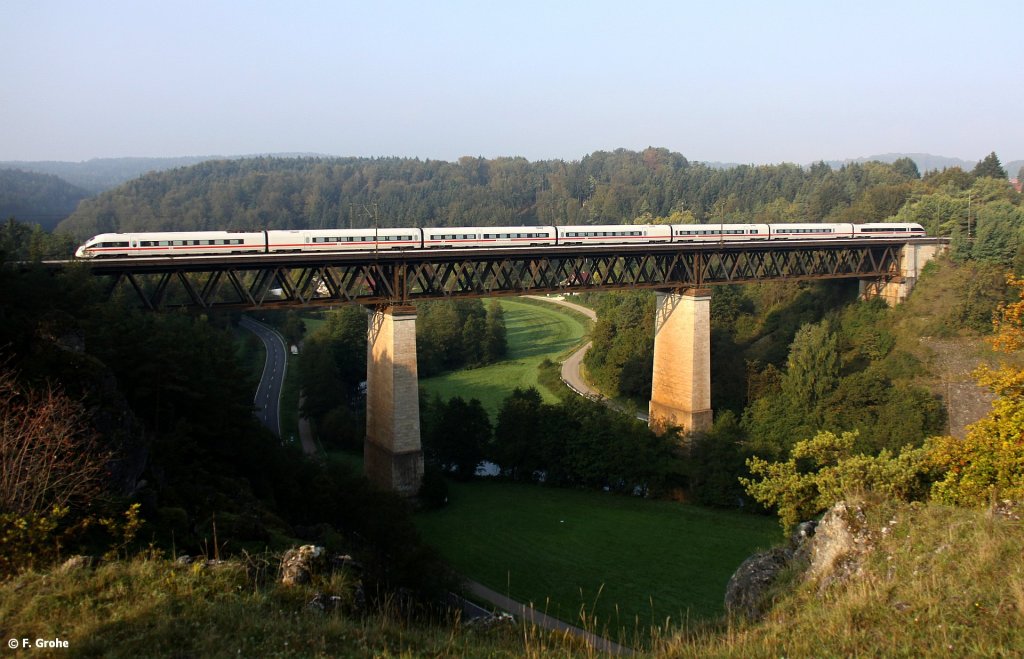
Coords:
pixel 495 339
pixel 516 435
pixel 459 437
pixel 990 166
pixel 906 168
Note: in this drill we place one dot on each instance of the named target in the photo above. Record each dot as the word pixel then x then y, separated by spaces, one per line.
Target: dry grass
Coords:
pixel 941 581
pixel 151 607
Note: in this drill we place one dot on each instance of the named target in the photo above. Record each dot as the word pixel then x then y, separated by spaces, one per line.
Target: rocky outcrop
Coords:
pixel 299 565
pixel 840 541
pixel 748 594
pixel 827 551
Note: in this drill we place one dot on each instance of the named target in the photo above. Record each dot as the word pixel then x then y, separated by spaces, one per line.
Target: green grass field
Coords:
pixel 642 561
pixel 536 331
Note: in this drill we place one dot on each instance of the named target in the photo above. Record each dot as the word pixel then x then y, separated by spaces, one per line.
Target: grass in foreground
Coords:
pixel 535 332
pixel 941 582
pixel 155 608
pixel 630 562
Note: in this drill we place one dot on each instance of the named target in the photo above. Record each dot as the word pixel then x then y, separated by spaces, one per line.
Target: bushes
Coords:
pixel 823 469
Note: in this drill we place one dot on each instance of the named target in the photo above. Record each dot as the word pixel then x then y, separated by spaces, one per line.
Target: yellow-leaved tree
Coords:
pixel 989 462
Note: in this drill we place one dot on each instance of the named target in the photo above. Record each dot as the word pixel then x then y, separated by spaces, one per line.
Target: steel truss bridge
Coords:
pixel 400 277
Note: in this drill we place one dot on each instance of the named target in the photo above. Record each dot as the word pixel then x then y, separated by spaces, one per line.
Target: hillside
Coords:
pixel 922 581
pixel 33 198
pixel 101 174
pixel 910 580
pixel 603 187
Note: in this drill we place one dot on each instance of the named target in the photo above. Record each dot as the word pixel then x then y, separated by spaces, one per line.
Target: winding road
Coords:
pixel 572 367
pixel 268 394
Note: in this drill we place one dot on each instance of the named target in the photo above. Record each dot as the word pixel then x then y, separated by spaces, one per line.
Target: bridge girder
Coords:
pixel 312 280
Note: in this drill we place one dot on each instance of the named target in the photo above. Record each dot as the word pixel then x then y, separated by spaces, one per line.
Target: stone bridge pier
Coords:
pixel 392 453
pixel 894 290
pixel 681 383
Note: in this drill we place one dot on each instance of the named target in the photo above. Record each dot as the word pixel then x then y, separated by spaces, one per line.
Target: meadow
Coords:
pixel 536 331
pixel 615 564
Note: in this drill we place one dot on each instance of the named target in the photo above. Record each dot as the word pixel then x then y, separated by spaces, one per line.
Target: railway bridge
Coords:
pixel 389 282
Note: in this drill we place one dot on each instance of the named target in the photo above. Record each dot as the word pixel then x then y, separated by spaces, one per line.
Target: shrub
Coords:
pixel 824 469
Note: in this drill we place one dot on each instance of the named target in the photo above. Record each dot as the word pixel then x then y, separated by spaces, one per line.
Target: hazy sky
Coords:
pixel 735 81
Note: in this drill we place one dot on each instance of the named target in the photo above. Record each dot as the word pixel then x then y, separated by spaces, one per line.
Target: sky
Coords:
pixel 716 80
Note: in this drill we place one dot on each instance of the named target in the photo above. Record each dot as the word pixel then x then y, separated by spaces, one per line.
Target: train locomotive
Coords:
pixel 200 243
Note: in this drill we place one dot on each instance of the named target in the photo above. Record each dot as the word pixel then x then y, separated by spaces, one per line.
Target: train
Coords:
pixel 196 243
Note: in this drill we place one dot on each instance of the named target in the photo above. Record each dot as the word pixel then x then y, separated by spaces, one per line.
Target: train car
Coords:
pixel 810 231
pixel 193 243
pixel 344 240
pixel 888 230
pixel 487 236
pixel 172 243
pixel 598 234
pixel 685 233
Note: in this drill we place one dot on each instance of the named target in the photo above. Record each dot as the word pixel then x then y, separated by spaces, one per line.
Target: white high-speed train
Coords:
pixel 192 243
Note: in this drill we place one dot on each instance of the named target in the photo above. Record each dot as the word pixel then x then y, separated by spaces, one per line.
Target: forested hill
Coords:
pixel 101 174
pixel 34 198
pixel 603 187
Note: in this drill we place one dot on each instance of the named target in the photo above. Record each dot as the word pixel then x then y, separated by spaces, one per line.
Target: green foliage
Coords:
pixel 623 352
pixel 29 541
pixel 989 166
pixel 906 168
pixel 40 199
pixel 29 242
pixel 457 435
pixel 826 468
pixel 812 369
pixel 713 462
pixel 495 340
pixel 519 434
pixel 952 299
pixel 433 492
pixel 452 334
pixel 603 187
pixel 989 462
pixel 332 364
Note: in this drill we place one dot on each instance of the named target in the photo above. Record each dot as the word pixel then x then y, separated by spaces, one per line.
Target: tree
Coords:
pixel 474 341
pixel 49 456
pixel 990 166
pixel 459 436
pixel 495 340
pixel 824 469
pixel 518 432
pixel 812 369
pixel 906 168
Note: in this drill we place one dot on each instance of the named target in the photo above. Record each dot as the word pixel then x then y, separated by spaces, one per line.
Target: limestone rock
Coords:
pixel 840 541
pixel 747 594
pixel 299 565
pixel 76 562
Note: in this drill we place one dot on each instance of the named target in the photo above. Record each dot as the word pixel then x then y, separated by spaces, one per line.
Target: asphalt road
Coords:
pixel 572 367
pixel 268 394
